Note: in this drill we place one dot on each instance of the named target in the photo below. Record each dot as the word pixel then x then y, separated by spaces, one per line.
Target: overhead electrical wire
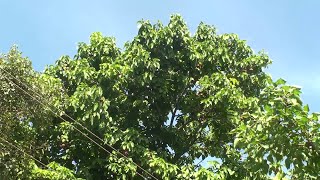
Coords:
pixel 20 149
pixel 59 116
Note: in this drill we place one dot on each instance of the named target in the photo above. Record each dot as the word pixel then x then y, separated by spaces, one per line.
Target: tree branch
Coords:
pixel 176 106
pixel 173 116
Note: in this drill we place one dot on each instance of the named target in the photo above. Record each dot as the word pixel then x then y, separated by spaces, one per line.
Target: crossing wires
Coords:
pixel 21 150
pixel 47 105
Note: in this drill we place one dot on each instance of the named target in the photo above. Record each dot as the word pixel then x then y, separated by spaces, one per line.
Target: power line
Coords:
pixel 70 124
pixel 73 121
pixel 20 149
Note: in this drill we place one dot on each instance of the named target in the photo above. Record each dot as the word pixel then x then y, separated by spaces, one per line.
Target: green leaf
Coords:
pixel 96 105
pixel 287 163
pixel 236 142
pixel 280 82
pixel 259 127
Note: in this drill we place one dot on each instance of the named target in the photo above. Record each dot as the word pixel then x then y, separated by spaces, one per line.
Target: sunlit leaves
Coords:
pixel 55 172
pixel 167 98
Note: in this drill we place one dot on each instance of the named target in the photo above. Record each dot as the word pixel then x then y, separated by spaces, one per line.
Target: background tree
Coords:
pixel 169 98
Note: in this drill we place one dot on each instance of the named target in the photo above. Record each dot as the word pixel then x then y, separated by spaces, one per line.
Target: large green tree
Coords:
pixel 165 101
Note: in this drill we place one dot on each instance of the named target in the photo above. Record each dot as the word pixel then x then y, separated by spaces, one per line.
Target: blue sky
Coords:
pixel 287 30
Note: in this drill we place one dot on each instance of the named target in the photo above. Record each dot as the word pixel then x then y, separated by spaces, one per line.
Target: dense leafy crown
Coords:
pixel 166 101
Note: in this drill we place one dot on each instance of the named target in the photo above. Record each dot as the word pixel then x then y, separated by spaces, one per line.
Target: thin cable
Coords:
pixel 197 165
pixel 75 122
pixel 67 121
pixel 35 159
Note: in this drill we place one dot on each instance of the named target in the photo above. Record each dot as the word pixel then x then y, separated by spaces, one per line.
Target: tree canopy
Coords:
pixel 155 109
